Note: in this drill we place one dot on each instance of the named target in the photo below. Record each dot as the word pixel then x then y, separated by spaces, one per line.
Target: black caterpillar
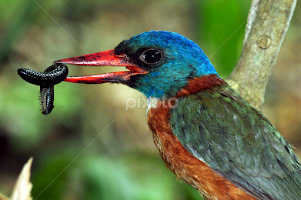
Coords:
pixel 54 74
pixel 46 99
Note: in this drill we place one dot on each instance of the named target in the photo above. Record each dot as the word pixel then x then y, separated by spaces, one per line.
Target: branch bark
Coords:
pixel 267 25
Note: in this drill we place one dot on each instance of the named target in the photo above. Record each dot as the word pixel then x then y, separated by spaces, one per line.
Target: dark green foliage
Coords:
pixel 221 129
pixel 220 28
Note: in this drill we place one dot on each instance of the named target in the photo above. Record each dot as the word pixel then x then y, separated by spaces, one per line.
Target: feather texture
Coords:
pixel 220 128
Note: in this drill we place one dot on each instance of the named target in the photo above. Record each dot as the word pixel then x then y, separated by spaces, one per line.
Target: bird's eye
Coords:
pixel 151 56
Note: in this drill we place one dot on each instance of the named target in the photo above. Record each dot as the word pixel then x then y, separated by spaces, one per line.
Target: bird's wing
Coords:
pixel 221 129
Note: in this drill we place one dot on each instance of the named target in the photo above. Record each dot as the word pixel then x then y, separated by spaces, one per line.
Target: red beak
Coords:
pixel 105 58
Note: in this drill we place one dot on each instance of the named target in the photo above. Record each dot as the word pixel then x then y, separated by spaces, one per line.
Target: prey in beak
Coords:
pixel 105 58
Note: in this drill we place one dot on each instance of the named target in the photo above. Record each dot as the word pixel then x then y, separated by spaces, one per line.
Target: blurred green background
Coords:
pixel 90 147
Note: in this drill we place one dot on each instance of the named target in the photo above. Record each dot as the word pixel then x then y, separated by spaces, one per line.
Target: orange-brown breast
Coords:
pixel 187 167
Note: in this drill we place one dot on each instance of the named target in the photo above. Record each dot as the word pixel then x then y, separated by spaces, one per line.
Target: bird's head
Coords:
pixel 160 63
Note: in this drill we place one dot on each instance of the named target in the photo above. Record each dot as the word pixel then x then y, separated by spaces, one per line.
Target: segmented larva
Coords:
pixel 54 74
pixel 46 99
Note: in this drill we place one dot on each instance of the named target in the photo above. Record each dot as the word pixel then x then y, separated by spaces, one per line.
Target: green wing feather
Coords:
pixel 221 129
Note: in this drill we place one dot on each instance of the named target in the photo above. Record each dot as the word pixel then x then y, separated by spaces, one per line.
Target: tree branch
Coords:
pixel 267 25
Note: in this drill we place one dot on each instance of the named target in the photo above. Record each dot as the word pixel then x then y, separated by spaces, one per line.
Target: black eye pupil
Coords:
pixel 151 56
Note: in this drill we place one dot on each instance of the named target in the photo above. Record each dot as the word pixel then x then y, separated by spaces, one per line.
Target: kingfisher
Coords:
pixel 206 133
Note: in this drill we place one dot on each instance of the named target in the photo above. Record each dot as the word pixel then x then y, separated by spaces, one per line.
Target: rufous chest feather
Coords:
pixel 182 163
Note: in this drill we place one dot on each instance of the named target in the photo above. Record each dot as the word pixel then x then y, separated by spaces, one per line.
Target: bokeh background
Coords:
pixel 90 146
